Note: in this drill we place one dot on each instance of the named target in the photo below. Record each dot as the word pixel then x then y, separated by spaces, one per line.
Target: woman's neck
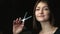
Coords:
pixel 46 26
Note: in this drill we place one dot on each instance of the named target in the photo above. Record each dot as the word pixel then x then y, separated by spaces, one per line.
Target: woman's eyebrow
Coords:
pixel 37 7
pixel 45 6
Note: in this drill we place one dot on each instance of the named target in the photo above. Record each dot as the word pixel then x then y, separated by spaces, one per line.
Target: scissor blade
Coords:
pixel 25 14
pixel 28 17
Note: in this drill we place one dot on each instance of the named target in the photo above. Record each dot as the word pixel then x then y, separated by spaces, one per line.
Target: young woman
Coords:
pixel 43 22
pixel 44 18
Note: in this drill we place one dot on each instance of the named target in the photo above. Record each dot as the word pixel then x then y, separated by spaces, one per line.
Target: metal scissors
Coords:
pixel 23 20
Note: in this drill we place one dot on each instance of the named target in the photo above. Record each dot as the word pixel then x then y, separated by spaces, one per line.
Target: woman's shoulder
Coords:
pixel 57 31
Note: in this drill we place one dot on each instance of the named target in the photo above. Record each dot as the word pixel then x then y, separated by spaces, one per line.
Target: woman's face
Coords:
pixel 42 12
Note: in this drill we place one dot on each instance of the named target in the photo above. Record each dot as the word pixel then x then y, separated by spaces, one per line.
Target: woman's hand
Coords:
pixel 17 26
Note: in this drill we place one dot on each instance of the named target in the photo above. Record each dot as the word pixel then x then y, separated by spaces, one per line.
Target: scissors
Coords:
pixel 23 20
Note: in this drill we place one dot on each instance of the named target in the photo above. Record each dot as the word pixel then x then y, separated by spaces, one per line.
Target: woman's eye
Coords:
pixel 37 9
pixel 46 9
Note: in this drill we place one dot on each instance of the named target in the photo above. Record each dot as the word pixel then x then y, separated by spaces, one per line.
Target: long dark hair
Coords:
pixel 36 25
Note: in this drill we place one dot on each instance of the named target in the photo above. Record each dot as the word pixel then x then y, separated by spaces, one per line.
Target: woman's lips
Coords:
pixel 41 16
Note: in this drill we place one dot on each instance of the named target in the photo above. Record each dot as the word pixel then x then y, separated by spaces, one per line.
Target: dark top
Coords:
pixel 31 32
pixel 26 31
pixel 57 31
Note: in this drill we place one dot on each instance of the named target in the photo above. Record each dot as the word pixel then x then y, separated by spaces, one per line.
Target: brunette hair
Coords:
pixel 36 25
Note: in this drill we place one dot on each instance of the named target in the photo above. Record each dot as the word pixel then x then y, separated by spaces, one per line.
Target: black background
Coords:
pixel 12 9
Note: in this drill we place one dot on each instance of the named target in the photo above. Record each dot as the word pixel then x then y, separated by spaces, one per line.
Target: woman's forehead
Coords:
pixel 41 4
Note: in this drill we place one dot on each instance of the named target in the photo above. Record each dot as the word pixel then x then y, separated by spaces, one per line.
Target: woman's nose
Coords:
pixel 41 11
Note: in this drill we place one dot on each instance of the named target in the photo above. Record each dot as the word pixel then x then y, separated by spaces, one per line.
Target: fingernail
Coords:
pixel 19 18
pixel 16 19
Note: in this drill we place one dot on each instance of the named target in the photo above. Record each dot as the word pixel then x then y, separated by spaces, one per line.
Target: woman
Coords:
pixel 43 18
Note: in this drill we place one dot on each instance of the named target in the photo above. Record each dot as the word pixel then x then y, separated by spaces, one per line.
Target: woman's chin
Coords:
pixel 41 20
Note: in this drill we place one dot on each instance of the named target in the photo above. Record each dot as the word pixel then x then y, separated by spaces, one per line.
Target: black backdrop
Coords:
pixel 12 9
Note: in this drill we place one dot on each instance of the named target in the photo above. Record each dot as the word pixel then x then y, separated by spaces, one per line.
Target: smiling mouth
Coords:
pixel 41 16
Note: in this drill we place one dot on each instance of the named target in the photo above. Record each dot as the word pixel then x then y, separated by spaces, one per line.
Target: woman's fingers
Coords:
pixel 18 22
pixel 21 21
pixel 19 18
pixel 14 22
pixel 17 25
